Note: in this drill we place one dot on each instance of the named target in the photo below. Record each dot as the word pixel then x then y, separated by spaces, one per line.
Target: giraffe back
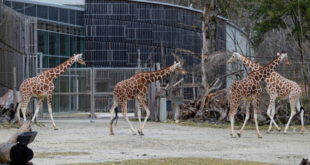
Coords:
pixel 38 86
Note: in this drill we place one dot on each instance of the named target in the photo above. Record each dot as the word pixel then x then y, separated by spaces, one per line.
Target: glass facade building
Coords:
pixel 60 30
pixel 116 29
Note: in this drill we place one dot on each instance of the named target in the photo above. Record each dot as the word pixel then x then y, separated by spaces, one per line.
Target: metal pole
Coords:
pixel 14 87
pixel 77 94
pixel 92 101
pixel 163 58
pixel 193 82
pixel 139 60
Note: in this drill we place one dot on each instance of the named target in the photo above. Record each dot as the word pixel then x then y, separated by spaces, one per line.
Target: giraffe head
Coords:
pixel 79 59
pixel 284 56
pixel 234 57
pixel 177 66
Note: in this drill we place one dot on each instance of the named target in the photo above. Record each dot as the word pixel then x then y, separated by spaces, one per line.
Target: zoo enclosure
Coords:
pixel 88 90
pixel 18 47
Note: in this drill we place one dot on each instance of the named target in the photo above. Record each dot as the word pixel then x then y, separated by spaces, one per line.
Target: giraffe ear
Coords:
pixel 278 54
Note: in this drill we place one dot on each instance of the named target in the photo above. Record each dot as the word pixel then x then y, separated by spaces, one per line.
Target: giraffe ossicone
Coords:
pixel 42 86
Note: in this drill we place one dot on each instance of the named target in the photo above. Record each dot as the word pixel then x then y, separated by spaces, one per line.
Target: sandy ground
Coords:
pixel 161 140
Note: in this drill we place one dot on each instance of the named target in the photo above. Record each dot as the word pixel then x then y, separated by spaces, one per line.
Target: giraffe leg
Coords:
pixel 232 113
pixel 49 105
pixel 255 105
pixel 293 112
pixel 139 115
pixel 124 109
pixel 17 114
pixel 271 113
pixel 112 111
pixel 37 108
pixel 301 116
pixel 302 130
pixel 247 116
pixel 144 104
pixel 24 108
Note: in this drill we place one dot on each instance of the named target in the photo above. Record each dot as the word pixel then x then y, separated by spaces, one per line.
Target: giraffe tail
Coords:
pixel 115 117
pixel 300 110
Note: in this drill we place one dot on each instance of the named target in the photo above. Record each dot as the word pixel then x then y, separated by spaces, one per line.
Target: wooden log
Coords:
pixel 13 152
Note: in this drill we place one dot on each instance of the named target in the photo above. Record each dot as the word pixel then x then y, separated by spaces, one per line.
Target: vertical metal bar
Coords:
pixel 14 86
pixel 163 57
pixel 77 94
pixel 92 101
pixel 139 59
pixel 193 82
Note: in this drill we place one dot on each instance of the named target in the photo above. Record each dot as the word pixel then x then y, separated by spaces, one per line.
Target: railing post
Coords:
pixel 92 99
pixel 14 87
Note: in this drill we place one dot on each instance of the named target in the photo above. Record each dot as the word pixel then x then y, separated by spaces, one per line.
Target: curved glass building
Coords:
pixel 115 30
pixel 60 29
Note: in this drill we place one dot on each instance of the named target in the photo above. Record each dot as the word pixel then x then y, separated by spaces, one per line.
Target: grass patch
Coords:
pixel 249 125
pixel 55 154
pixel 8 125
pixel 178 161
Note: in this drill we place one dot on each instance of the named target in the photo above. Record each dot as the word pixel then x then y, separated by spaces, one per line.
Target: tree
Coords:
pixel 292 15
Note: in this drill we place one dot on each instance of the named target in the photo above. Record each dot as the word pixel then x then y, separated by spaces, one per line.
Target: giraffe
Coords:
pixel 136 88
pixel 249 89
pixel 42 86
pixel 277 86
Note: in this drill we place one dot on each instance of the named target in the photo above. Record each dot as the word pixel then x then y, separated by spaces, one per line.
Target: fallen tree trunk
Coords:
pixel 14 152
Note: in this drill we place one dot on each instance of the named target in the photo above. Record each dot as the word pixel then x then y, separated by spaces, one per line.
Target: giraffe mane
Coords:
pixel 263 67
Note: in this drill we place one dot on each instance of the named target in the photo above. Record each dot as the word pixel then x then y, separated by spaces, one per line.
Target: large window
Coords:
pixel 73 47
pixel 53 13
pixel 52 43
pixel 64 15
pixel 31 10
pixel 42 12
pixel 72 16
pixel 18 7
pixel 64 45
pixel 43 42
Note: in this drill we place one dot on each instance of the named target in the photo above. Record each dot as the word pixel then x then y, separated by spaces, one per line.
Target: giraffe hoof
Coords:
pixel 268 132
pixel 134 134
pixel 111 133
pixel 239 135
pixel 233 136
pixel 260 137
pixel 279 130
pixel 140 132
pixel 55 129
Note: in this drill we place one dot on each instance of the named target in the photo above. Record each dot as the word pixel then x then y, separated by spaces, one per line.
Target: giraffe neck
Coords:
pixel 160 74
pixel 60 69
pixel 264 72
pixel 252 65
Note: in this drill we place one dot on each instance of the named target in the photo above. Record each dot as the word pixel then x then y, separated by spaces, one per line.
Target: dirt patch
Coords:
pixel 160 140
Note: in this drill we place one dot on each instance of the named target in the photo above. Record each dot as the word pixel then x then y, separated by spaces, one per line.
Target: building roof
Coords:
pixel 49 4
pixel 167 4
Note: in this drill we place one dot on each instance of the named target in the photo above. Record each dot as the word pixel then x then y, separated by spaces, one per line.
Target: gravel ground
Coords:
pixel 160 140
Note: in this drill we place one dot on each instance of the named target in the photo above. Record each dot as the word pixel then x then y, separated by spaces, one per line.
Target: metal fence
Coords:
pixel 88 90
pixel 18 48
